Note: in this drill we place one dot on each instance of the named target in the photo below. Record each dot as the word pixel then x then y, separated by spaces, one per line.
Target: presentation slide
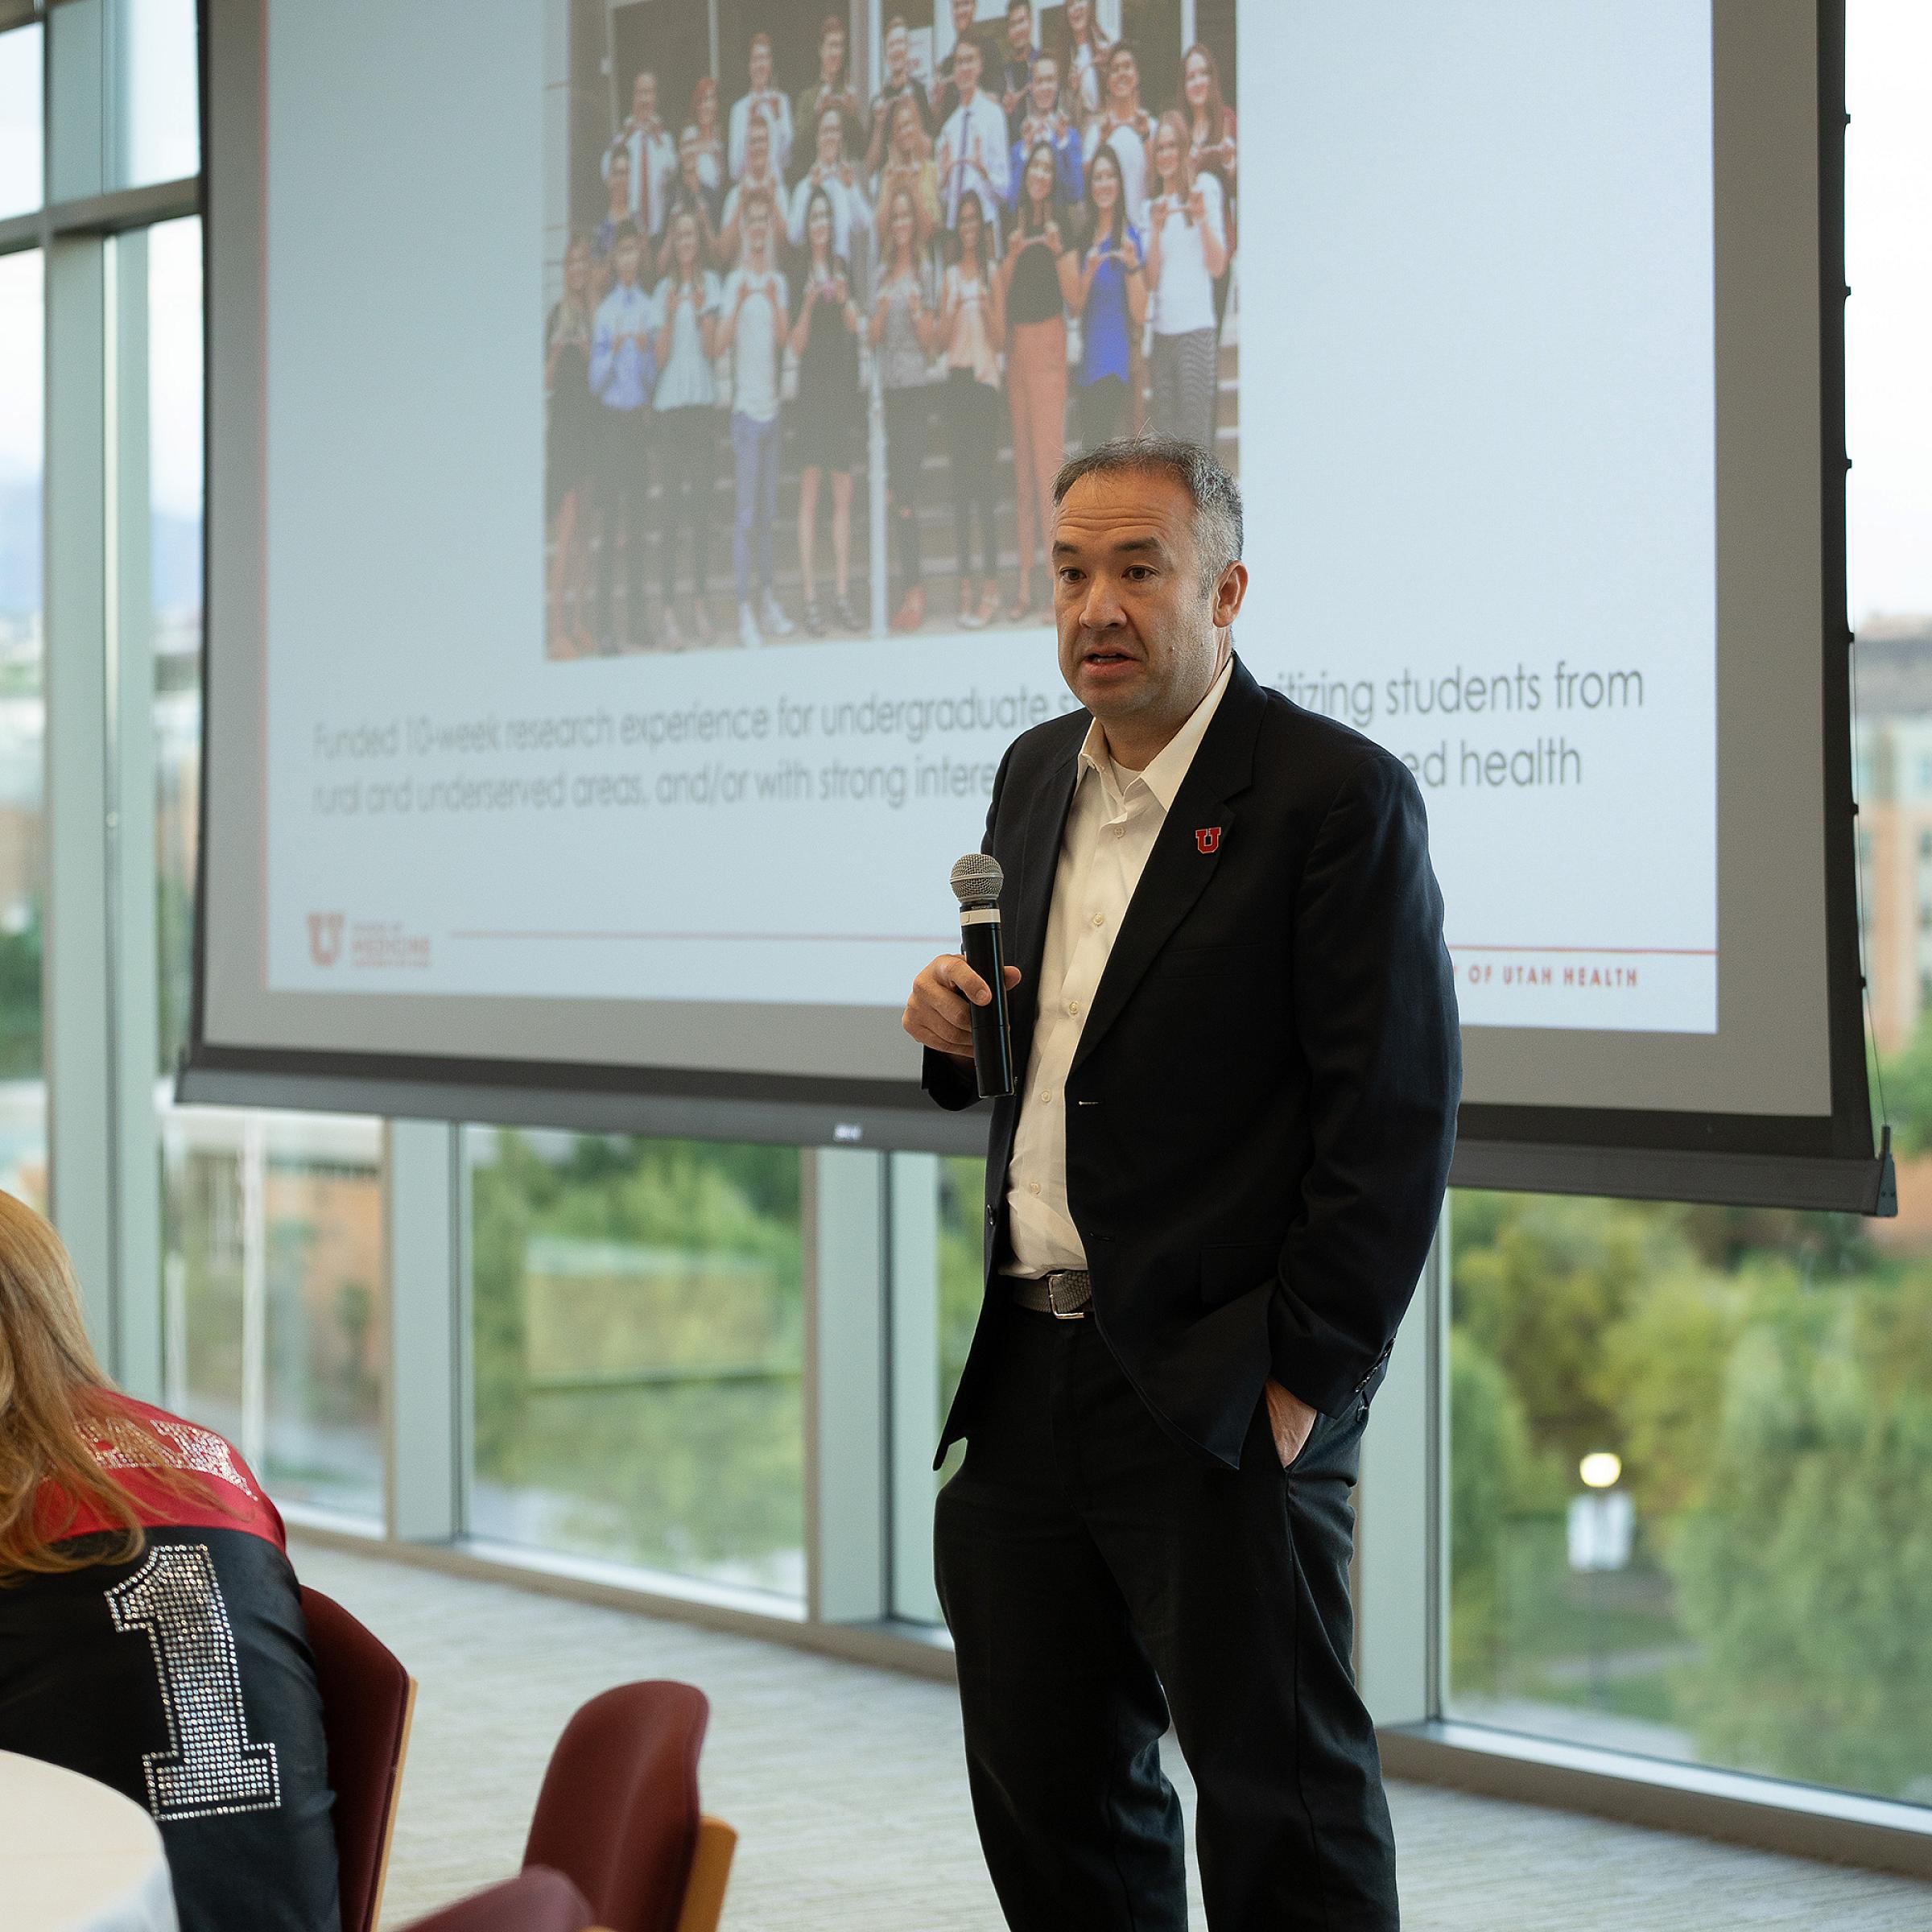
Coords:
pixel 673 657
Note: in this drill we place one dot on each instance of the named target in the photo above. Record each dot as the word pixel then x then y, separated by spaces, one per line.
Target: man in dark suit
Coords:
pixel 1206 1208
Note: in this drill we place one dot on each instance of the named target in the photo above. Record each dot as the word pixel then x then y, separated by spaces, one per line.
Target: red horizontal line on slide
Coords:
pixel 840 939
pixel 927 938
pixel 1647 952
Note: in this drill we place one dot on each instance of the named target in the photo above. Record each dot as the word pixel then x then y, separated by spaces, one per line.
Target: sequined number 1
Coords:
pixel 210 1767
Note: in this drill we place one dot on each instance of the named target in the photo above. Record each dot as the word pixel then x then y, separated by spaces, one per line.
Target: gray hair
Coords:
pixel 1216 495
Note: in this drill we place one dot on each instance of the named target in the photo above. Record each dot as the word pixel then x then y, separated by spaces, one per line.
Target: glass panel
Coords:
pixel 175 461
pixel 22 723
pixel 638 1344
pixel 161 92
pixel 274 1294
pixel 21 155
pixel 1690 1471
pixel 273 1275
pixel 953 1279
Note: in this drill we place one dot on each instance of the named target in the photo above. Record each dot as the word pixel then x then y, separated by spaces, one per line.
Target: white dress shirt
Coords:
pixel 654 162
pixel 973 158
pixel 1110 827
pixel 777 109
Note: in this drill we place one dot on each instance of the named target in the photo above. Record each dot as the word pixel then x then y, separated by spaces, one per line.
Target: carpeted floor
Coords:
pixel 848 1787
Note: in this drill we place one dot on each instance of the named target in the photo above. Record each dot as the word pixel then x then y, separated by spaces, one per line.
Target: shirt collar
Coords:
pixel 1163 774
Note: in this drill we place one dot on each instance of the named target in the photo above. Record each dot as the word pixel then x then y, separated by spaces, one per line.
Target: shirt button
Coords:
pixel 1120 831
pixel 1099 918
pixel 1045 1094
pixel 1033 1186
pixel 1073 1006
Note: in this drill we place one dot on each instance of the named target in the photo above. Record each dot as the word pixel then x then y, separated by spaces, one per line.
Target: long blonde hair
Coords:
pixel 57 1412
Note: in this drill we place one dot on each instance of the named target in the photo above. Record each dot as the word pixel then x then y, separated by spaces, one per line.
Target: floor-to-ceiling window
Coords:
pixel 1691 1458
pixel 273 1272
pixel 22 710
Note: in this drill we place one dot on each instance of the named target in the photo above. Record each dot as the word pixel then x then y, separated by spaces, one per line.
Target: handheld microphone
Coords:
pixel 976 881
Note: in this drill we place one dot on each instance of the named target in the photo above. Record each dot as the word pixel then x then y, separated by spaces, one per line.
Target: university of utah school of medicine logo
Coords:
pixel 325 937
pixel 1207 838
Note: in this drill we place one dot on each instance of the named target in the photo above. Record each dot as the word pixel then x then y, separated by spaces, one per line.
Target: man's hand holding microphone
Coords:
pixel 959 1003
pixel 940 1013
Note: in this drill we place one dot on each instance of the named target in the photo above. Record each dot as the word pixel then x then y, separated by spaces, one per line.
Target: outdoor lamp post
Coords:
pixel 1600 1523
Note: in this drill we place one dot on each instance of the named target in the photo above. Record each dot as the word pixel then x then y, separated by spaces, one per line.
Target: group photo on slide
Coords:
pixel 822 321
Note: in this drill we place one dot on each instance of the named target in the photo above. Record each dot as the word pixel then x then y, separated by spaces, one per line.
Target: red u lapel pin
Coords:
pixel 1208 838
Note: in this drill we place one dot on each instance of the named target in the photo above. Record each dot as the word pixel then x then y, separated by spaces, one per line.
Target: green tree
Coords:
pixel 1539 1283
pixel 1905 1078
pixel 1489 1471
pixel 1660 1372
pixel 1805 1575
pixel 20 954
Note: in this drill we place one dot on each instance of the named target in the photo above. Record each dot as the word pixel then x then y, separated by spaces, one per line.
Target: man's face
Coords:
pixel 832 55
pixel 624 259
pixel 962 18
pixel 1019 28
pixel 1045 85
pixel 896 51
pixel 966 67
pixel 644 98
pixel 1137 634
pixel 760 65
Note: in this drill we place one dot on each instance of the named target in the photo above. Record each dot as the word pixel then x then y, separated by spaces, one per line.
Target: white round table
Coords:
pixel 77 1857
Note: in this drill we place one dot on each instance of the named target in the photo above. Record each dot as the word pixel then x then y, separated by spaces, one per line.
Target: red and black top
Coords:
pixel 183 1679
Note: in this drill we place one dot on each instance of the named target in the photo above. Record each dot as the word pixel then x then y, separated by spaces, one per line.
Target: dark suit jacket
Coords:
pixel 1261 1110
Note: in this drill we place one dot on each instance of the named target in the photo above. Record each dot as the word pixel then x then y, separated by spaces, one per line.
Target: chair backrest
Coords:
pixel 367 1699
pixel 536 1900
pixel 618 1812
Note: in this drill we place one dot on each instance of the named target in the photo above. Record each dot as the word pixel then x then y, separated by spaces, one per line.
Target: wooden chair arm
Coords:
pixel 710 1872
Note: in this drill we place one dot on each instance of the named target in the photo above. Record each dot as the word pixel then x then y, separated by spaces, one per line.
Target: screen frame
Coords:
pixel 1811 1161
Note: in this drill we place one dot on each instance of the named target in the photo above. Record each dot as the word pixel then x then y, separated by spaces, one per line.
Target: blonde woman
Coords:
pixel 150 1628
pixel 1211 145
pixel 903 331
pixel 705 118
pixel 570 444
pixel 971 324
pixel 909 165
pixel 1186 248
pixel 1081 50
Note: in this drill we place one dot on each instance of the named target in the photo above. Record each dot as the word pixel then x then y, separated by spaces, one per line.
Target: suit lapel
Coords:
pixel 1178 870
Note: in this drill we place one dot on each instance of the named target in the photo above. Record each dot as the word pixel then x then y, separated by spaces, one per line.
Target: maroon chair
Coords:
pixel 367 1700
pixel 536 1900
pixel 618 1812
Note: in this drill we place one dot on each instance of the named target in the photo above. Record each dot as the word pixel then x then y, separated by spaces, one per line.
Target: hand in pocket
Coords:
pixel 1290 1421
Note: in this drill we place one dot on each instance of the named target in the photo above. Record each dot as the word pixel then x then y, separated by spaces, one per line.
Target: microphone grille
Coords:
pixel 977 879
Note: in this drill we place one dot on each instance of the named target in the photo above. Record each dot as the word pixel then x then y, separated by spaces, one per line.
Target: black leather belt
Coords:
pixel 1065 1292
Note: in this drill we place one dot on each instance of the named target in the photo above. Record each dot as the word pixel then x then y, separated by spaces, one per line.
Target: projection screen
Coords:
pixel 1527 354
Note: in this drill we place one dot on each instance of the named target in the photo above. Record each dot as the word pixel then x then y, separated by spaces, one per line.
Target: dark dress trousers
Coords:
pixel 1259 1118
